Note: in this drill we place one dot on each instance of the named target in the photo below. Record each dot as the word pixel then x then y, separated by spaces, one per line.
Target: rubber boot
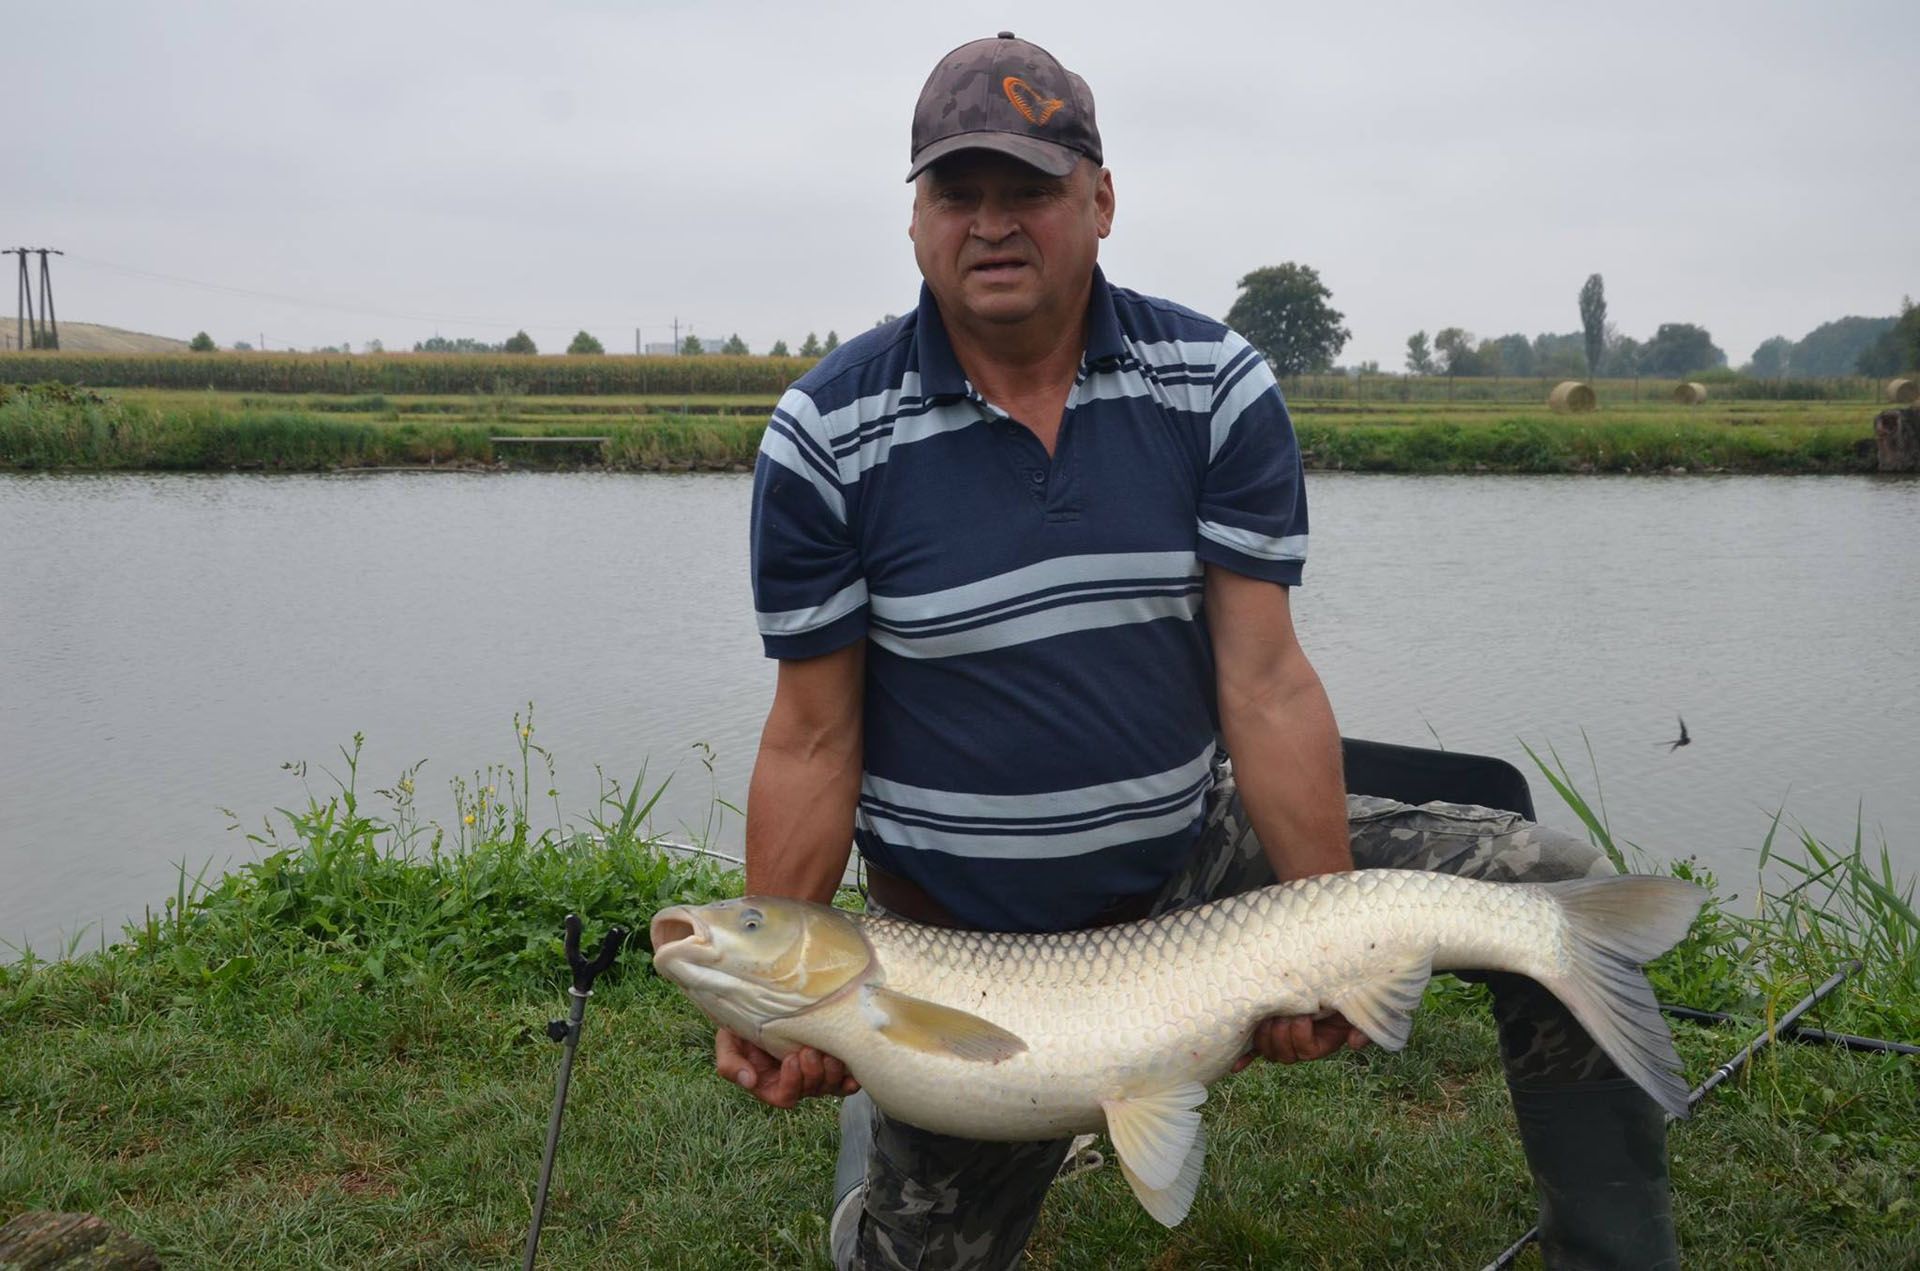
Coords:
pixel 1598 1151
pixel 850 1180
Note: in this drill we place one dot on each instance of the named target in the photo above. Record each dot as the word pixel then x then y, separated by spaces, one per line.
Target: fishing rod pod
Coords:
pixel 567 1032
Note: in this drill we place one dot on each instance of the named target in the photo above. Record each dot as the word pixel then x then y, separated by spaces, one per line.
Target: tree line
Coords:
pixel 1285 311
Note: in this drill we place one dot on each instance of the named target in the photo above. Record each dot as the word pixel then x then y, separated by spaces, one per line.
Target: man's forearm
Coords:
pixel 800 808
pixel 1286 763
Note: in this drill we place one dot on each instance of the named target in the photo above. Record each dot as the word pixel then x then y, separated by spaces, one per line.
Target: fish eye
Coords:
pixel 750 920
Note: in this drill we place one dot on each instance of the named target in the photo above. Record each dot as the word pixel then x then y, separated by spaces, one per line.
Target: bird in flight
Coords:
pixel 1681 740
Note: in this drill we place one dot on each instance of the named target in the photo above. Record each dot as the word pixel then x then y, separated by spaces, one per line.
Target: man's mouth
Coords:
pixel 999 267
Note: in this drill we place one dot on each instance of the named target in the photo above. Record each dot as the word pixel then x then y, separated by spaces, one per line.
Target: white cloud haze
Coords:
pixel 470 168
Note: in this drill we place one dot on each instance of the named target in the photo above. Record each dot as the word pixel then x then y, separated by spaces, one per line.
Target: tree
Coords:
pixel 373 346
pixel 735 346
pixel 1772 357
pixel 1283 312
pixel 810 347
pixel 1680 348
pixel 886 318
pixel 1623 355
pixel 1513 354
pixel 519 342
pixel 1834 348
pixel 464 344
pixel 1898 348
pixel 584 343
pixel 201 343
pixel 1560 356
pixel 1419 354
pixel 779 349
pixel 241 346
pixel 691 346
pixel 833 342
pixel 1593 321
pixel 1458 356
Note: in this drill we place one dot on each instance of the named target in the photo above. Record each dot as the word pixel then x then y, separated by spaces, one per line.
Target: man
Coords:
pixel 1024 557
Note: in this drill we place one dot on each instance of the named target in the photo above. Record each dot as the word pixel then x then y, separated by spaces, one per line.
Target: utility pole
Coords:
pixel 46 297
pixel 676 335
pixel 35 330
pixel 23 294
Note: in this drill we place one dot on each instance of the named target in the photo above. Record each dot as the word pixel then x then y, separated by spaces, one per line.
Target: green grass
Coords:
pixel 333 1057
pixel 52 427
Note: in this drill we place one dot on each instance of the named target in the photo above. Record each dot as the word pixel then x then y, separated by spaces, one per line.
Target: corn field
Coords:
pixel 409 373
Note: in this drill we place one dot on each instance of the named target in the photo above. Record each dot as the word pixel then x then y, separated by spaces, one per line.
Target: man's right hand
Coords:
pixel 779 1082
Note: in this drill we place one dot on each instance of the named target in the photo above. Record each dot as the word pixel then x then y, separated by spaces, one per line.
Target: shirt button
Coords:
pixel 1037 477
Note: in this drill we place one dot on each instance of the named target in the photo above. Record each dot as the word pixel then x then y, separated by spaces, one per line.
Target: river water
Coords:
pixel 167 642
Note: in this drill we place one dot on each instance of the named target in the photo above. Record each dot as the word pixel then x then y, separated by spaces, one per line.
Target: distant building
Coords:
pixel 664 348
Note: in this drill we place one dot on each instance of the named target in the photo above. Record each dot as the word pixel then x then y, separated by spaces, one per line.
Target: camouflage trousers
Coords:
pixel 934 1201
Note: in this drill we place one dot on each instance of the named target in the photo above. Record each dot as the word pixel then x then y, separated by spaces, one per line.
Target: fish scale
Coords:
pixel 1038 1036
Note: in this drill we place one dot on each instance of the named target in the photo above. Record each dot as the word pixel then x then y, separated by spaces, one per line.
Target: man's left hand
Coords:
pixel 1292 1039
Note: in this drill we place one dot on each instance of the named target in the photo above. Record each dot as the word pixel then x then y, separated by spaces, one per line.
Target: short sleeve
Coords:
pixel 809 589
pixel 1253 500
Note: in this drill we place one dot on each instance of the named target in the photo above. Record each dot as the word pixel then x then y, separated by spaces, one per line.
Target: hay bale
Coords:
pixel 1689 393
pixel 1572 396
pixel 1903 392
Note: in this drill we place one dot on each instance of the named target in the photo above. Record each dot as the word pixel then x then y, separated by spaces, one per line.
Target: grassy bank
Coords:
pixel 52 427
pixel 333 1057
pixel 439 373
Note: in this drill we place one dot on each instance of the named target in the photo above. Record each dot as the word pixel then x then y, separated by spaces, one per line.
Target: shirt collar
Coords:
pixel 940 373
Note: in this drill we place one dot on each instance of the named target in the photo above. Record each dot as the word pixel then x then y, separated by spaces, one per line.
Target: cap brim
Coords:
pixel 1052 159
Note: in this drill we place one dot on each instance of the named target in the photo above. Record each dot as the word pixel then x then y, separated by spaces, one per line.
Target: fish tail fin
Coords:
pixel 1613 927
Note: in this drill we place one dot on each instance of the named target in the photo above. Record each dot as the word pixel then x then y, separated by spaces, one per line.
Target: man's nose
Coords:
pixel 995 223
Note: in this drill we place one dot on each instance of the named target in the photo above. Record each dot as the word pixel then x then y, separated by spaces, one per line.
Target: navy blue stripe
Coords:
pixel 818 456
pixel 1061 589
pixel 1237 370
pixel 807 456
pixel 1039 607
pixel 870 431
pixel 1034 829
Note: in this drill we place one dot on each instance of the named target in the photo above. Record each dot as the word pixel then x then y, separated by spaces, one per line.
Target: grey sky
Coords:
pixel 469 168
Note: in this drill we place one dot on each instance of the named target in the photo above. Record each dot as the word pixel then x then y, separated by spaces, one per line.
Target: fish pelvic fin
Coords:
pixel 1383 1007
pixel 1169 1205
pixel 1155 1133
pixel 1613 927
pixel 934 1029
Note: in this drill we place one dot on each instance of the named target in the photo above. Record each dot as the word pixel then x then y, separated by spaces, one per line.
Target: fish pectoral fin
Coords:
pixel 1155 1134
pixel 1383 1007
pixel 1168 1205
pixel 927 1026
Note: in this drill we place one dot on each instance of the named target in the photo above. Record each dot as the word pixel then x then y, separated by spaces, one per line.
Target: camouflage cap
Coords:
pixel 1009 96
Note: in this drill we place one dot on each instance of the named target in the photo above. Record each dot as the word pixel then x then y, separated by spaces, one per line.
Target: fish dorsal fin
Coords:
pixel 938 1030
pixel 1168 1205
pixel 1383 1007
pixel 1155 1133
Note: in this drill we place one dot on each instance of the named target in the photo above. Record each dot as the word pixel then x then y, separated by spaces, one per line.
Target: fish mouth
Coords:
pixel 681 933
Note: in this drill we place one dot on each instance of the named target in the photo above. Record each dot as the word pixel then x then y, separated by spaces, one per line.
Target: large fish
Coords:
pixel 1014 1037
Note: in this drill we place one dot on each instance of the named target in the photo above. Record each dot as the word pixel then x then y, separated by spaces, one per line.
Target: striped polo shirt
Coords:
pixel 1039 709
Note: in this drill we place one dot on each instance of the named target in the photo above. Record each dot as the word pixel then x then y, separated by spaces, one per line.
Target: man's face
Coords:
pixel 1000 242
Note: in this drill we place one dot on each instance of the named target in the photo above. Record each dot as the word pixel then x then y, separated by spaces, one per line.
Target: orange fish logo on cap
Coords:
pixel 1026 99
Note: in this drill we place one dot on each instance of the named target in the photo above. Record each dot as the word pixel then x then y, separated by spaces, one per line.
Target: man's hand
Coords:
pixel 1292 1039
pixel 779 1082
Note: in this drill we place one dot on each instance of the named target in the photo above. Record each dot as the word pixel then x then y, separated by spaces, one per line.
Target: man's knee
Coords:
pixel 1472 842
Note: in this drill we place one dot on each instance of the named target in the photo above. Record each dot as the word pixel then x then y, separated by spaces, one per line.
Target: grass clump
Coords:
pixel 334 1057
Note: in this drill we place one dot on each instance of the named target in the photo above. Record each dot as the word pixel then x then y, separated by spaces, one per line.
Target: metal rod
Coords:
pixel 1850 1041
pixel 553 1123
pixel 1718 1076
pixel 1759 1043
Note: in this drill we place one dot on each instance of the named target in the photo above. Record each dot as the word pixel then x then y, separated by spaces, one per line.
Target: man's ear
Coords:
pixel 1103 202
